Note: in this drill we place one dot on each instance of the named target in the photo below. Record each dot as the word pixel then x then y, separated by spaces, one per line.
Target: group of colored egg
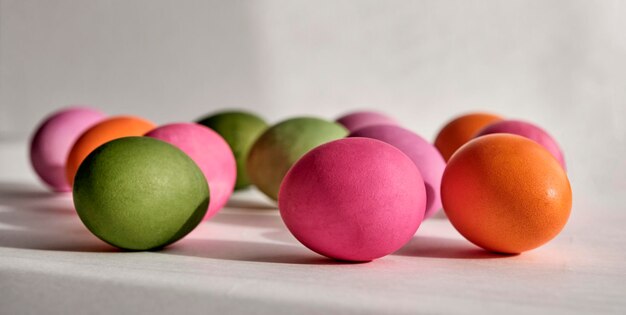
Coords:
pixel 355 189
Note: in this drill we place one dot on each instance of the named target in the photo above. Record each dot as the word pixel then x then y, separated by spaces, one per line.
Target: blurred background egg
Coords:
pixel 357 120
pixel 506 193
pixel 461 130
pixel 283 144
pixel 140 193
pixel 104 131
pixel 53 139
pixel 527 130
pixel 212 154
pixel 422 153
pixel 354 199
pixel 240 130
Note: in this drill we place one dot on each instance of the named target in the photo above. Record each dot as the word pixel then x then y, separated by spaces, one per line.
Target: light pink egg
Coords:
pixel 357 120
pixel 210 152
pixel 427 158
pixel 527 130
pixel 53 140
pixel 353 199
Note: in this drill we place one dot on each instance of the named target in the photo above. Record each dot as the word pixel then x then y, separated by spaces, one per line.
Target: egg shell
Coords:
pixel 527 130
pixel 53 139
pixel 425 156
pixel 101 133
pixel 460 130
pixel 240 130
pixel 506 193
pixel 353 199
pixel 281 145
pixel 360 119
pixel 140 193
pixel 212 154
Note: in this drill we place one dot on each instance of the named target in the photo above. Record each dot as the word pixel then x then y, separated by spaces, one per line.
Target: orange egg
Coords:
pixel 506 193
pixel 101 133
pixel 461 130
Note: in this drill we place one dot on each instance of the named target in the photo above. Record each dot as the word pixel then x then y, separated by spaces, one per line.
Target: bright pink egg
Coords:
pixel 527 130
pixel 53 140
pixel 357 120
pixel 354 199
pixel 427 158
pixel 210 152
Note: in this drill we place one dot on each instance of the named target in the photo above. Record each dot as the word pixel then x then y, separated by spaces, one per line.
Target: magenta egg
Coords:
pixel 353 199
pixel 357 120
pixel 210 152
pixel 527 130
pixel 425 156
pixel 53 140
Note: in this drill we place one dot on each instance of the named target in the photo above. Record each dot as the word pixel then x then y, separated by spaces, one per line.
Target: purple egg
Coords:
pixel 357 120
pixel 427 158
pixel 53 140
pixel 527 130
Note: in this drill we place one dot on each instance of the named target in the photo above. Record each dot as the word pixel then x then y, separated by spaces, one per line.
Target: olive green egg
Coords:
pixel 240 130
pixel 140 193
pixel 281 145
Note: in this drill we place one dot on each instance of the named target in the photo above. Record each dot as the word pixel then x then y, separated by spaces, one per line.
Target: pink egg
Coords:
pixel 527 130
pixel 210 152
pixel 427 158
pixel 354 199
pixel 357 120
pixel 53 140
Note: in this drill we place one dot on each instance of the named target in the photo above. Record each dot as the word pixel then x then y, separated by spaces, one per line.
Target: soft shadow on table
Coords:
pixel 249 218
pixel 248 251
pixel 438 247
pixel 249 204
pixel 53 241
pixel 244 200
pixel 11 192
pixel 33 218
pixel 282 235
pixel 419 246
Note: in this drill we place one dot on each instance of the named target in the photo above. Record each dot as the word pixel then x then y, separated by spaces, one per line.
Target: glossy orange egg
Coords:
pixel 506 193
pixel 101 133
pixel 461 130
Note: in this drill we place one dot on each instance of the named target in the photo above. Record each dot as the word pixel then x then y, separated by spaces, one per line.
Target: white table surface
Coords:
pixel 245 261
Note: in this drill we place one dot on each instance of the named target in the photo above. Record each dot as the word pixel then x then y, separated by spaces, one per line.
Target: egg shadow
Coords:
pixel 249 218
pixel 243 200
pixel 16 192
pixel 447 248
pixel 56 241
pixel 281 235
pixel 33 218
pixel 248 251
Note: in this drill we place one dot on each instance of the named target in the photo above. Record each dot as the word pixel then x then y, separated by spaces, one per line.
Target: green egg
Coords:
pixel 240 130
pixel 139 193
pixel 280 146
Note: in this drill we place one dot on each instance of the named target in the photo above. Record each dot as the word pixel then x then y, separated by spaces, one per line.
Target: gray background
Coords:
pixel 561 64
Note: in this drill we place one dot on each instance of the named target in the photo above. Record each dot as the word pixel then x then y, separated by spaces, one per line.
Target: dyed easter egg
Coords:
pixel 424 155
pixel 357 120
pixel 283 144
pixel 52 141
pixel 527 130
pixel 140 193
pixel 240 130
pixel 212 154
pixel 461 130
pixel 100 133
pixel 354 199
pixel 506 193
